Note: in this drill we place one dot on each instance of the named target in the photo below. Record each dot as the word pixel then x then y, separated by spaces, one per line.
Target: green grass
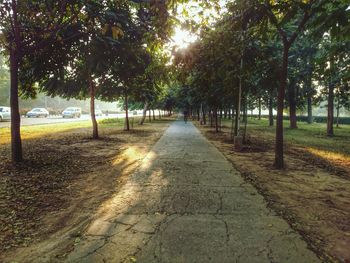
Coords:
pixel 307 135
pixel 37 131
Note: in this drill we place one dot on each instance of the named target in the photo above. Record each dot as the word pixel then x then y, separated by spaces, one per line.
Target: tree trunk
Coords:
pixel 149 115
pixel 127 125
pixel 338 108
pixel 259 117
pixel 292 107
pixel 210 118
pixel 279 158
pixel 236 131
pixel 92 109
pixel 154 115
pixel 270 111
pixel 238 109
pixel 216 120
pixel 245 126
pixel 144 113
pixel 160 115
pixel 308 84
pixel 330 107
pixel 204 117
pixel 16 142
pixel 245 110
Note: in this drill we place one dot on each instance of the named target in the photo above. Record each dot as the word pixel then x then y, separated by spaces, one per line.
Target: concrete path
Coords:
pixel 187 204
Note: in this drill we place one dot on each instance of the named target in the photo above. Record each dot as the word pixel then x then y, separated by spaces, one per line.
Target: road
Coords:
pixel 58 119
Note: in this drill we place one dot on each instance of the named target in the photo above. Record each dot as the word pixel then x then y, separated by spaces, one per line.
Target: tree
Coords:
pixel 332 26
pixel 23 34
pixel 296 14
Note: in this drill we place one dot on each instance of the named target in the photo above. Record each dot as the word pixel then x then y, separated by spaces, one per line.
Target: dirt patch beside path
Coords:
pixel 48 200
pixel 313 197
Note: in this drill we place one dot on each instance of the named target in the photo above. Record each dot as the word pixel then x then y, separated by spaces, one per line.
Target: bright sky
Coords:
pixel 182 38
pixel 193 11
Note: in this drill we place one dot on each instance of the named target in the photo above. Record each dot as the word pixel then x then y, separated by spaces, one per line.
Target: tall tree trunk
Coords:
pixel 245 110
pixel 144 113
pixel 126 102
pixel 292 107
pixel 330 107
pixel 198 114
pixel 270 111
pixel 92 109
pixel 204 117
pixel 308 84
pixel 154 115
pixel 259 117
pixel 245 126
pixel 236 131
pixel 279 158
pixel 216 120
pixel 338 108
pixel 229 113
pixel 331 85
pixel 239 100
pixel 16 142
pixel 232 125
pixel 309 109
pixel 160 115
pixel 149 115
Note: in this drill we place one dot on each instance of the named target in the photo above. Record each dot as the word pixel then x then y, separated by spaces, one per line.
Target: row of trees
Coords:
pixel 273 54
pixel 81 49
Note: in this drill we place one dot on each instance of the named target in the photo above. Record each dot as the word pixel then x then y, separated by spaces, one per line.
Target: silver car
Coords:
pixel 5 113
pixel 72 112
pixel 37 113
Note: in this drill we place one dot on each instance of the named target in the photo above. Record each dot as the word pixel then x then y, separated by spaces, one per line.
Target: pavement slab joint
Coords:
pixel 187 203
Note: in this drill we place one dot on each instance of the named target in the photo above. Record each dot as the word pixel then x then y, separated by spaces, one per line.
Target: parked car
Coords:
pixel 72 112
pixel 37 113
pixel 5 113
pixel 98 112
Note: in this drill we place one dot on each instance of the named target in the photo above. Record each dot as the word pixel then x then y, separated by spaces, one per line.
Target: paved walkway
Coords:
pixel 187 204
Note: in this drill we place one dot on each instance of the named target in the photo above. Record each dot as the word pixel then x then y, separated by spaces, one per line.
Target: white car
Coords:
pixel 5 113
pixel 98 112
pixel 38 112
pixel 71 112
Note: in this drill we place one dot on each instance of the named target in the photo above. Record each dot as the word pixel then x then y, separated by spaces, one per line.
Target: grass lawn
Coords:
pixel 310 138
pixel 38 131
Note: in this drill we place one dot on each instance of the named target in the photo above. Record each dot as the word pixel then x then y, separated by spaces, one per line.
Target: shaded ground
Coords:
pixel 312 193
pixel 65 178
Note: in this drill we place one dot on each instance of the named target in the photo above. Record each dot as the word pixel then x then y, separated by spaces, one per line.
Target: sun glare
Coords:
pixel 182 38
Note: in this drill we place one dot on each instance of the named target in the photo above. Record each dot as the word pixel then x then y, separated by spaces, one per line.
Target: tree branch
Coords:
pixel 274 21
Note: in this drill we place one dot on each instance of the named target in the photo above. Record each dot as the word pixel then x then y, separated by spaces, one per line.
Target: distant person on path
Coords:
pixel 185 115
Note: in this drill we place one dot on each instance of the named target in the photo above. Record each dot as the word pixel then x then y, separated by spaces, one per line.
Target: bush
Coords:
pixel 317 119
